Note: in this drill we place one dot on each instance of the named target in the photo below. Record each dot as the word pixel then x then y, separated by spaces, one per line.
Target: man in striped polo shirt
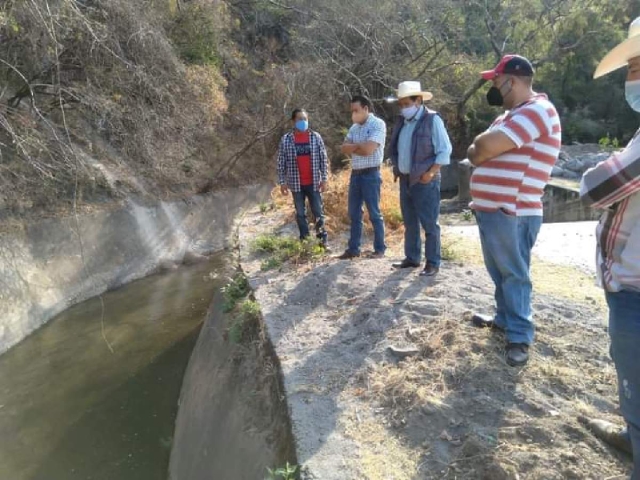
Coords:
pixel 514 159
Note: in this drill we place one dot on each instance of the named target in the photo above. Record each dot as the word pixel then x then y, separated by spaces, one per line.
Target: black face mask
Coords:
pixel 495 97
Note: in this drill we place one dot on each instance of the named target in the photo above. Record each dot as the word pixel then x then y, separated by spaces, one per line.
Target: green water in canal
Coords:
pixel 70 408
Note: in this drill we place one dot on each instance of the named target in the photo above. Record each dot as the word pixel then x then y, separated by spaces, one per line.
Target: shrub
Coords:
pixel 234 291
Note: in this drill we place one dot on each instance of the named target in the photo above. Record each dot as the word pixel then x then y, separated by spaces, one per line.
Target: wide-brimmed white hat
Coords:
pixel 412 89
pixel 622 53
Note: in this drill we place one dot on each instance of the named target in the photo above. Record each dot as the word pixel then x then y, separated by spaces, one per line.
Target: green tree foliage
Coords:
pixel 190 93
pixel 332 49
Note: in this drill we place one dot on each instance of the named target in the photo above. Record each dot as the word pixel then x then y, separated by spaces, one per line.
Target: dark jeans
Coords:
pixel 315 202
pixel 624 331
pixel 507 241
pixel 420 205
pixel 365 188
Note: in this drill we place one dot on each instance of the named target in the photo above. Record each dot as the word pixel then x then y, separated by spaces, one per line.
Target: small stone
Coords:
pixel 428 409
pixel 403 352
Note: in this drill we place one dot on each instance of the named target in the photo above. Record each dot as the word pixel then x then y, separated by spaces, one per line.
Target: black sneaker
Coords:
pixel 348 255
pixel 406 263
pixel 429 271
pixel 517 354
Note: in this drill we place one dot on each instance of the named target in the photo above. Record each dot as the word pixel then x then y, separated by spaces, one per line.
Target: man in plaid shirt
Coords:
pixel 614 186
pixel 303 170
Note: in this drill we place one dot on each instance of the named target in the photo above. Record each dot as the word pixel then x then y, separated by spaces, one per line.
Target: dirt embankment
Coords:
pixel 452 408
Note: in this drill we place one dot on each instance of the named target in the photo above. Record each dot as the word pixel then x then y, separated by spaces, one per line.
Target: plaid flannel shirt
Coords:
pixel 614 185
pixel 288 173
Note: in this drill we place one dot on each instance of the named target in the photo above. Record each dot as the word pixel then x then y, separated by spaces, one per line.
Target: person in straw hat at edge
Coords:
pixel 420 146
pixel 614 186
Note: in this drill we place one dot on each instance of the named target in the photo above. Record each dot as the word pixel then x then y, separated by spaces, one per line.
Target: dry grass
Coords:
pixel 335 206
pixel 381 456
pixel 109 106
pixel 472 417
pixel 335 202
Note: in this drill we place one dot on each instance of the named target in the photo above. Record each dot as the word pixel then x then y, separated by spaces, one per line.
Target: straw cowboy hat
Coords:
pixel 621 54
pixel 412 89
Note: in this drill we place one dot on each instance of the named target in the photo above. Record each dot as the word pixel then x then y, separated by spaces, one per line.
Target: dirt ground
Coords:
pixel 453 408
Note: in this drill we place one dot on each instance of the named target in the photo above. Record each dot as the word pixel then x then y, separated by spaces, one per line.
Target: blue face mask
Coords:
pixel 302 125
pixel 632 92
pixel 410 112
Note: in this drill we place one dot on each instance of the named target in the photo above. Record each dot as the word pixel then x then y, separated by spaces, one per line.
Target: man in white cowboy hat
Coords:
pixel 420 146
pixel 614 186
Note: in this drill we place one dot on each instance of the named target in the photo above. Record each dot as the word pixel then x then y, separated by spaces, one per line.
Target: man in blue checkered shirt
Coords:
pixel 365 143
pixel 303 170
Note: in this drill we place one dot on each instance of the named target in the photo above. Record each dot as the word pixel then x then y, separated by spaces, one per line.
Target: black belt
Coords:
pixel 408 175
pixel 363 171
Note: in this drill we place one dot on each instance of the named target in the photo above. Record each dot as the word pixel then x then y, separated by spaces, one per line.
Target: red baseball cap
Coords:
pixel 510 65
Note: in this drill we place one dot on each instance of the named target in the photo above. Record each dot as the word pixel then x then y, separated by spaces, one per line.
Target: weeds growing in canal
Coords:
pixel 234 291
pixel 282 249
pixel 244 309
pixel 249 311
pixel 287 472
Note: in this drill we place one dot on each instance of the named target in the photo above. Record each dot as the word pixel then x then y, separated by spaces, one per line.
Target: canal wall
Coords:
pixel 49 265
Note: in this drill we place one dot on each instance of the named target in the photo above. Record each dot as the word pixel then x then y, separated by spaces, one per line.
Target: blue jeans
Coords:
pixel 624 331
pixel 315 202
pixel 365 189
pixel 420 205
pixel 507 241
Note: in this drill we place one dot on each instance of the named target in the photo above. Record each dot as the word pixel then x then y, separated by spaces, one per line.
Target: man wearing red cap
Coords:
pixel 513 161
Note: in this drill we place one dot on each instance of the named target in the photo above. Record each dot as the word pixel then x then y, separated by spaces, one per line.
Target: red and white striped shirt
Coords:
pixel 515 180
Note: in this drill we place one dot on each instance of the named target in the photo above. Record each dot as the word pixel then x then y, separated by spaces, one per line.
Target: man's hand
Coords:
pixel 471 153
pixel 348 148
pixel 322 187
pixel 489 145
pixel 284 190
pixel 465 163
pixel 427 177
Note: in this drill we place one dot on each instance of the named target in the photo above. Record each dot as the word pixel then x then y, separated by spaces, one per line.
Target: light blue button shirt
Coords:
pixel 441 143
pixel 373 130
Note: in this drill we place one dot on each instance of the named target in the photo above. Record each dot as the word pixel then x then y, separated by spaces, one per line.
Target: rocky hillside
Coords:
pixel 106 99
pixel 101 100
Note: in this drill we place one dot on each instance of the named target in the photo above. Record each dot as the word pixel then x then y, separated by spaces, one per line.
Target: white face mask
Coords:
pixel 632 93
pixel 410 112
pixel 359 117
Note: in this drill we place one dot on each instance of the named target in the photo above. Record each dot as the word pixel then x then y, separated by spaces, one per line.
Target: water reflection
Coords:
pixel 69 408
